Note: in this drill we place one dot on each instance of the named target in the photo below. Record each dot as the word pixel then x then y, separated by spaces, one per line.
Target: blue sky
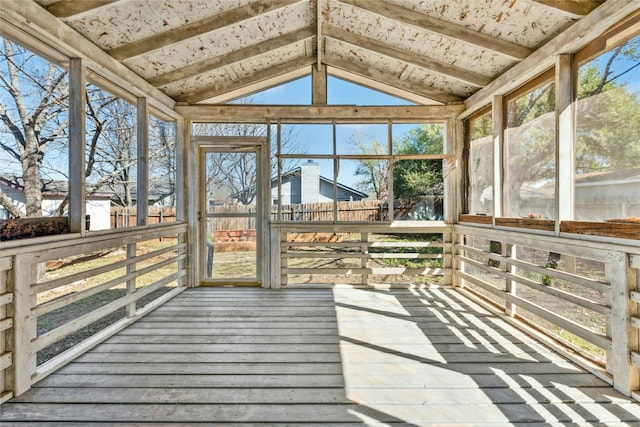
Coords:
pixel 339 92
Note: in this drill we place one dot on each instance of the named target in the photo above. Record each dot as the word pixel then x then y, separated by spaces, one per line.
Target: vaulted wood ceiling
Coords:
pixel 427 51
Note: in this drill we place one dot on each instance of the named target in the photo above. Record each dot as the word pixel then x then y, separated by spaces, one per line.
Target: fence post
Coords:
pixel 509 251
pixel 364 250
pixel 275 259
pixel 624 336
pixel 24 324
pixel 131 283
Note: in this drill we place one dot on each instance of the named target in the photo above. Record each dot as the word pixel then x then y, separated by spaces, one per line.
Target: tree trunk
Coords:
pixel 31 176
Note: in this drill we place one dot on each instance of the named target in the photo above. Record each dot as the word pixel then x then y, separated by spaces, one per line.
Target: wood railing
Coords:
pixel 582 294
pixel 104 295
pixel 356 253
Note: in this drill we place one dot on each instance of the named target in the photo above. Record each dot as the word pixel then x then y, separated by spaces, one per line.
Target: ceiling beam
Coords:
pixel 232 57
pixel 242 113
pixel 197 28
pixel 377 46
pixel 571 8
pixel 437 26
pixel 257 77
pixel 388 79
pixel 74 9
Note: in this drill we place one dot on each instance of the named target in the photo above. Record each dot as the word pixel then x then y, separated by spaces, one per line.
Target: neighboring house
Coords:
pixel 598 196
pixel 161 195
pixel 98 205
pixel 304 184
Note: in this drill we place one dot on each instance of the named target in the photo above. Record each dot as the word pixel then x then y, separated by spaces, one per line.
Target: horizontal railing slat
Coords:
pixel 95 241
pixel 579 280
pixel 593 337
pixel 6 263
pixel 6 298
pixel 6 360
pixel 381 271
pixel 80 322
pixel 558 293
pixel 63 281
pixel 77 296
pixel 6 324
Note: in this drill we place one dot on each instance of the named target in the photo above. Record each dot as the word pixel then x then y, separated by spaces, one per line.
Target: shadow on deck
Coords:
pixel 320 356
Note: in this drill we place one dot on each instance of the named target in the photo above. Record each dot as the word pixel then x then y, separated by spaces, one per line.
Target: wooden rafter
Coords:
pixel 258 76
pixel 439 67
pixel 571 8
pixel 233 57
pixel 198 28
pixel 437 26
pixel 73 9
pixel 391 80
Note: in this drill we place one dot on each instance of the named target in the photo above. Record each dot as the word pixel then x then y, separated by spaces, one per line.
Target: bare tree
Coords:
pixel 374 173
pixel 33 112
pixel 234 174
pixel 162 160
pixel 111 145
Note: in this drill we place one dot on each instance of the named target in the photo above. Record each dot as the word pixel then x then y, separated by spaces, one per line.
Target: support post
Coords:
pixel 131 283
pixel 565 140
pixel 181 207
pixel 274 257
pixel 364 261
pixel 498 166
pixel 624 337
pixel 77 102
pixel 319 83
pixel 281 251
pixel 24 324
pixel 447 264
pixel 142 184
pixel 509 251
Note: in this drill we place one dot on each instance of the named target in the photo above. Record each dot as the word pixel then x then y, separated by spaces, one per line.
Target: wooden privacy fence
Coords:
pixel 122 217
pixel 361 210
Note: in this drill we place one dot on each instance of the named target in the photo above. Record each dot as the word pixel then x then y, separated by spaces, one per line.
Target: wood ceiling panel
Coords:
pixel 395 69
pixel 418 42
pixel 243 17
pixel 440 50
pixel 437 26
pixel 515 21
pixel 258 65
pixel 225 41
pixel 134 20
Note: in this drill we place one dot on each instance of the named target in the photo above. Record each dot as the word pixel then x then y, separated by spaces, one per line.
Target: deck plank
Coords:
pixel 336 357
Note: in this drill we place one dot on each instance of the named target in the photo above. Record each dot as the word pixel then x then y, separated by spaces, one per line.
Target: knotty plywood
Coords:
pixel 304 356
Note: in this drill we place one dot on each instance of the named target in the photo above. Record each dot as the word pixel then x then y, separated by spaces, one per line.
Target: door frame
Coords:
pixel 260 146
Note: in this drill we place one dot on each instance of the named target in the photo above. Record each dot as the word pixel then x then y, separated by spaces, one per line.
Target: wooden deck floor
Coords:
pixel 321 357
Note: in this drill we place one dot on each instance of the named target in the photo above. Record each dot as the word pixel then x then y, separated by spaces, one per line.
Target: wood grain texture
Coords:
pixel 611 229
pixel 341 356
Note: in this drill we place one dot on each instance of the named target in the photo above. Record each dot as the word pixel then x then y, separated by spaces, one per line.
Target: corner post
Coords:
pixel 77 102
pixel 624 336
pixel 565 140
pixel 498 157
pixel 24 324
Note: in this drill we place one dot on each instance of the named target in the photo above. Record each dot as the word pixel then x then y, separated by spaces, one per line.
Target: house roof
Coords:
pixel 296 172
pixel 430 52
